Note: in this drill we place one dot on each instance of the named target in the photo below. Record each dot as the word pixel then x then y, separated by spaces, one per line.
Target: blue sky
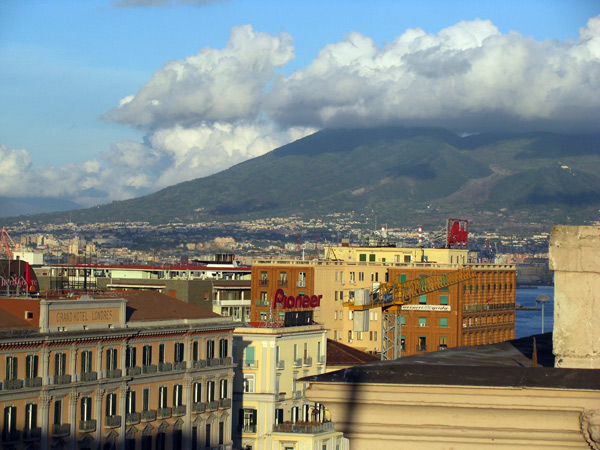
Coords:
pixel 83 92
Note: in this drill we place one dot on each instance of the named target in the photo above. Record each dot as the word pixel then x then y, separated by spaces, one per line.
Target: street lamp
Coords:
pixel 542 300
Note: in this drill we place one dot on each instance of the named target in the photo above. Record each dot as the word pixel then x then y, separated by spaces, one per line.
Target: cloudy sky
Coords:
pixel 104 100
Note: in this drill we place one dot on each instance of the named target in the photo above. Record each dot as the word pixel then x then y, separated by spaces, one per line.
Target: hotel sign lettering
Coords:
pixel 301 301
pixel 444 308
pixel 83 316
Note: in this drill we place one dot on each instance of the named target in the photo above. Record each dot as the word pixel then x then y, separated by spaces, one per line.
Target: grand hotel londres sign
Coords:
pixel 300 301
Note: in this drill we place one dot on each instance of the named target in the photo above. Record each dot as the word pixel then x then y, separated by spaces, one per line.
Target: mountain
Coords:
pixel 397 174
pixel 34 205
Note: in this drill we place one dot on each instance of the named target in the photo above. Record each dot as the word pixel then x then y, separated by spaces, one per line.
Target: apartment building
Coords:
pixel 138 370
pixel 270 409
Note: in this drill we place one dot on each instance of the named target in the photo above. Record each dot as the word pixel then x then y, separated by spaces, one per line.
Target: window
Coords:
pixel 249 356
pixel 295 352
pixel 443 342
pixel 210 391
pixel 263 299
pixel 177 395
pixel 361 276
pixel 352 277
pixel 305 413
pixel 60 363
pixel 422 299
pixel 86 361
pixel 130 402
pixel 130 356
pixel 147 355
pixel 248 420
pixel 31 366
pixel 11 368
pixel 86 408
pixel 30 416
pixel 179 349
pixel 403 320
pixel 362 257
pixel 277 353
pixel 57 412
pixel 376 276
pixel 161 353
pixel 422 321
pixel 207 441
pixel 349 335
pixel 197 392
pixel 111 359
pixel 223 389
pixel 282 279
pixel 278 416
pixel 10 419
pixel 195 351
pixel 210 349
pixel 402 278
pixel 146 399
pixel 249 383
pixel 223 348
pixel 319 351
pixel 263 278
pixel 359 335
pixel 350 315
pixel 301 279
pixel 111 405
pixel 341 296
pixel 422 346
pixel 221 432
pixel 295 414
pixel 443 322
pixel 443 299
pixel 371 258
pixel 162 396
pixel 335 315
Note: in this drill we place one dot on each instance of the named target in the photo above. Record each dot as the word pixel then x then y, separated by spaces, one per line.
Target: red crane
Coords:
pixel 4 240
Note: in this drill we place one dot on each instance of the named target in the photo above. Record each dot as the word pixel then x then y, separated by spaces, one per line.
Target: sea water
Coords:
pixel 530 322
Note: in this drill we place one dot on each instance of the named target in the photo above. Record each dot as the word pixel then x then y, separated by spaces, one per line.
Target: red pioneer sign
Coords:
pixel 458 233
pixel 301 301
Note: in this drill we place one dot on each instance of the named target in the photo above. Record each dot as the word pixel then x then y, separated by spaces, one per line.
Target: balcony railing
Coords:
pixel 133 418
pixel 13 384
pixel 115 373
pixel 32 434
pixel 250 364
pixel 89 376
pixel 263 282
pixel 87 425
pixel 280 397
pixel 62 379
pixel 297 394
pixel 112 421
pixel 212 406
pixel 164 413
pixel 133 371
pixel 308 361
pixel 165 367
pixel 151 368
pixel 226 360
pixel 304 428
pixel 33 382
pixel 201 364
pixel 282 283
pixel 214 362
pixel 61 429
pixel 149 416
pixel 249 428
pixel 179 365
pixel 442 347
pixel 199 407
pixel 321 359
pixel 298 362
pixel 262 302
pixel 421 348
pixel 280 365
pixel 225 403
pixel 301 284
pixel 12 436
pixel 179 410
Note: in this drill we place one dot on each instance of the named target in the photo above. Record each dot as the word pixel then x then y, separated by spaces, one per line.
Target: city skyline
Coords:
pixel 110 100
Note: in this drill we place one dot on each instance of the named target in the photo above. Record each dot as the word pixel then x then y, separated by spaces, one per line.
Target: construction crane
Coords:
pixel 390 297
pixel 4 240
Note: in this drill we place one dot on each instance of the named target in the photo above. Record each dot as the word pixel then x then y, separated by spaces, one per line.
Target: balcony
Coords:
pixel 280 365
pixel 33 382
pixel 247 364
pixel 442 347
pixel 149 416
pixel 11 437
pixel 32 434
pixel 89 376
pixel 150 368
pixel 165 413
pixel 262 302
pixel 133 418
pixel 282 283
pixel 87 426
pixel 280 397
pixel 116 373
pixel 165 367
pixel 225 403
pixel 303 427
pixel 61 429
pixel 226 360
pixel 212 406
pixel 249 428
pixel 263 282
pixel 179 365
pixel 179 410
pixel 421 348
pixel 13 384
pixel 298 362
pixel 301 284
pixel 133 371
pixel 199 407
pixel 321 359
pixel 297 394
pixel 201 364
pixel 112 421
pixel 62 379
pixel 214 362
pixel 308 361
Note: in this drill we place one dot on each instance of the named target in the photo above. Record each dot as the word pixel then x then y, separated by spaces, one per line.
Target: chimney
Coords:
pixel 575 260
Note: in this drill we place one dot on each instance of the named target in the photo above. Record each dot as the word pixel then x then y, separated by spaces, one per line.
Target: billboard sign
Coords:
pixel 458 233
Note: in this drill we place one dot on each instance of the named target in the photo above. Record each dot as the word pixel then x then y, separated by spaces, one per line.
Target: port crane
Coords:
pixel 4 240
pixel 390 297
